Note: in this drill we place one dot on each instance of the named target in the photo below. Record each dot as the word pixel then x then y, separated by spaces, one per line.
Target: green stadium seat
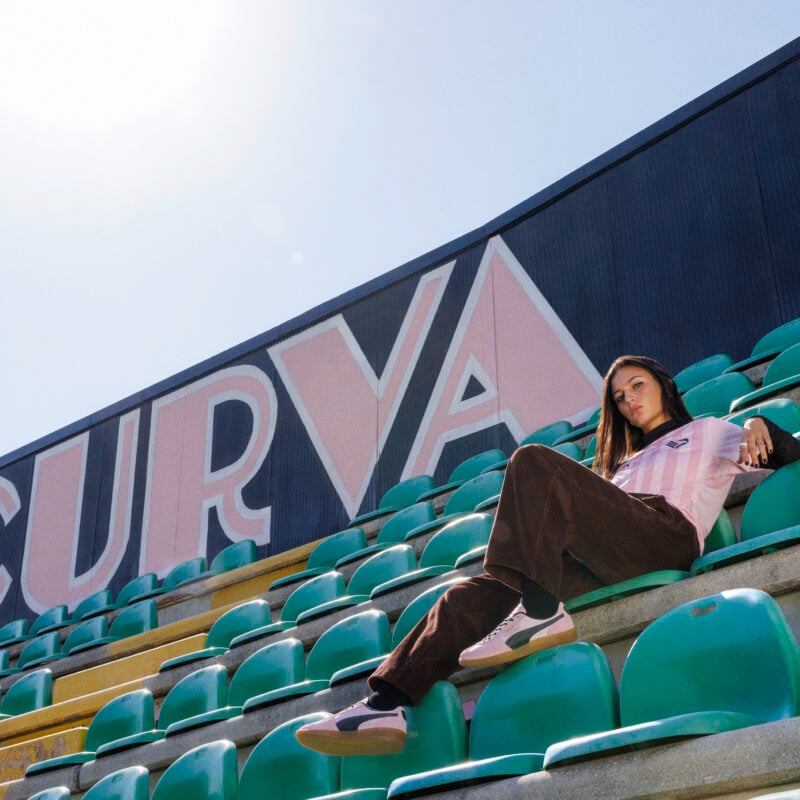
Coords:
pixel 716 664
pixel 469 534
pixel 467 470
pixel 130 783
pixel 236 555
pixel 56 793
pixel 770 521
pixel 84 635
pixel 770 345
pixel 124 716
pixel 189 701
pixel 701 371
pixel 782 375
pixel 549 434
pixel 354 640
pixel 245 617
pixel 394 530
pixel 208 772
pixel 783 412
pixel 279 767
pixel 325 555
pixel 548 697
pixel 45 647
pixel 379 568
pixel 13 632
pixel 400 496
pixel 272 667
pixel 134 590
pixel 314 592
pixel 578 433
pixel 474 495
pixel 135 724
pixel 722 535
pixel 713 397
pixel 588 456
pixel 53 618
pixel 185 572
pixel 28 693
pixel 418 608
pixel 131 621
pixel 94 604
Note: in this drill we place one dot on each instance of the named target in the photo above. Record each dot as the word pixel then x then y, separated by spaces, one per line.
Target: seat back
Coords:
pixel 208 772
pixel 473 466
pixel 549 434
pixel 135 619
pixel 406 492
pixel 238 620
pixel 783 412
pixel 233 556
pixel 203 690
pixel 468 495
pixel 336 546
pixel 130 783
pixel 781 337
pixel 280 767
pixel 350 641
pixel 785 365
pixel 55 616
pixel 185 571
pixel 774 503
pixel 14 631
pixel 548 697
pixel 56 793
pixel 92 603
pixel 39 649
pixel 702 371
pixel 123 716
pixel 721 535
pixel 381 567
pixel 570 449
pixel 401 522
pixel 733 651
pixel 272 667
pixel 446 546
pixel 714 397
pixel 144 583
pixel 418 608
pixel 30 692
pixel 87 632
pixel 436 739
pixel 313 592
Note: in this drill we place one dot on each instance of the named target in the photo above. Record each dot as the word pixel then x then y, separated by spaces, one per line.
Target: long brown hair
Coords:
pixel 617 439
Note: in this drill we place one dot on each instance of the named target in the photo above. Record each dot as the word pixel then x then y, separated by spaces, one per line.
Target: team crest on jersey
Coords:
pixel 676 444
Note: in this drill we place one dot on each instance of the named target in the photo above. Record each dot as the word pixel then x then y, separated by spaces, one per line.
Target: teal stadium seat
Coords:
pixel 713 397
pixel 325 555
pixel 13 632
pixel 29 693
pixel 354 640
pixel 467 470
pixel 701 371
pixel 187 571
pixel 467 535
pixel 717 664
pixel 56 793
pixel 208 772
pixel 133 590
pixel 418 608
pixel 313 593
pixel 189 701
pixel 589 427
pixel 45 647
pixel 53 618
pixel 770 345
pixel 234 556
pixel 279 767
pixel 131 621
pixel 94 604
pixel 770 521
pixel 783 412
pixel 548 697
pixel 400 496
pixel 236 621
pixel 782 375
pixel 549 434
pixel 130 783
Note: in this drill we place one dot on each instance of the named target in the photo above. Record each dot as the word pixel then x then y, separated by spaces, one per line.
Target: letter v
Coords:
pixel 347 411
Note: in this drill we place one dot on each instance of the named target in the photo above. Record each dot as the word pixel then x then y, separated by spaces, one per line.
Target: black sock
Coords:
pixel 387 697
pixel 536 601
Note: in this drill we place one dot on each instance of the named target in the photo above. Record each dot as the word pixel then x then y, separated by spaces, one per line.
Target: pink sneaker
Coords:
pixel 357 730
pixel 519 635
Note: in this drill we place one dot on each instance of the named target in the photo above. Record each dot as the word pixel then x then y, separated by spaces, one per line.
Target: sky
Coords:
pixel 179 176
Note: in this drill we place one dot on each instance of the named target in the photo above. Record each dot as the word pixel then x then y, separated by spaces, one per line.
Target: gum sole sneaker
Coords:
pixel 519 635
pixel 358 730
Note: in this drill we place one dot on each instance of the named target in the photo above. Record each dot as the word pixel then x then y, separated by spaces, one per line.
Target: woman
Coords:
pixel 658 483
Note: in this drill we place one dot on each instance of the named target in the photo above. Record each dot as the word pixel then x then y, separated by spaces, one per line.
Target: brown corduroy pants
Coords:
pixel 558 524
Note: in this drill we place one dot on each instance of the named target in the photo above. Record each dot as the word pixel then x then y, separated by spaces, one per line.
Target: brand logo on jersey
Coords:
pixel 676 444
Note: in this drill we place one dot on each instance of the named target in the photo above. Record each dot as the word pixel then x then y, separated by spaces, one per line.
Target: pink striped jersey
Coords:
pixel 692 467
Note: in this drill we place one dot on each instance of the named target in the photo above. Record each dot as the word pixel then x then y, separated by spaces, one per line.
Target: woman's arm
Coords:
pixel 767 445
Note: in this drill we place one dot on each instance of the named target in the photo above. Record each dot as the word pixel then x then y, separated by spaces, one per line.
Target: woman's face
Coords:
pixel 638 397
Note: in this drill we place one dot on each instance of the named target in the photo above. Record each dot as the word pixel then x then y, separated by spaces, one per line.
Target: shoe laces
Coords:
pixel 504 624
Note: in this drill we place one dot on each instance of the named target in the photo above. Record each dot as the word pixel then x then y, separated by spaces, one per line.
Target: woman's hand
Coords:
pixel 756 442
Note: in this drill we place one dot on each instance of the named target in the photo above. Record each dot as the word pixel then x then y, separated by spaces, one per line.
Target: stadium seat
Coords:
pixel 53 618
pixel 418 608
pixel 400 496
pixel 314 592
pixel 84 635
pixel 770 345
pixel 272 667
pixel 28 693
pixel 279 767
pixel 13 632
pixel 548 697
pixel 393 531
pixel 713 397
pixel 469 534
pixel 236 555
pixel 130 783
pixel 782 375
pixel 549 434
pixel 185 572
pixel 124 716
pixel 325 555
pixel 56 793
pixel 716 664
pixel 353 640
pixel 720 536
pixel 45 647
pixel 94 604
pixel 133 590
pixel 238 620
pixel 467 470
pixel 770 521
pixel 131 621
pixel 377 569
pixel 589 427
pixel 192 697
pixel 208 772
pixel 471 496
pixel 701 371
pixel 783 412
